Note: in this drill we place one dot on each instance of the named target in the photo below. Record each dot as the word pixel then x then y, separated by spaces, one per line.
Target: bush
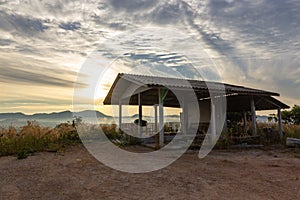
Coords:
pixel 291 130
pixel 22 155
pixel 33 138
pixel 111 131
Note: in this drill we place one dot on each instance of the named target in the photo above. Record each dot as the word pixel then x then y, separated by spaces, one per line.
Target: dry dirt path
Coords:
pixel 224 174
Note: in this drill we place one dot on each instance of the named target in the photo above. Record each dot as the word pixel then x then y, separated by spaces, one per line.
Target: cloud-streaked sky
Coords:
pixel 44 43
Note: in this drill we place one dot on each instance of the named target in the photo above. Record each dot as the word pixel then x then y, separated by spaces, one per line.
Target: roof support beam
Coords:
pixel 253 116
pixel 273 103
pixel 133 90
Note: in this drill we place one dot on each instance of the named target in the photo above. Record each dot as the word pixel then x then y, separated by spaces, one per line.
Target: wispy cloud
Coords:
pixel 23 76
pixel 21 24
pixel 251 42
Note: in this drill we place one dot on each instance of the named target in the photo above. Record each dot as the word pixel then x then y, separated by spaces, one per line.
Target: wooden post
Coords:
pixel 161 119
pixel 120 116
pixel 140 115
pixel 245 122
pixel 213 122
pixel 280 123
pixel 161 122
pixel 253 116
pixel 156 127
pixel 155 119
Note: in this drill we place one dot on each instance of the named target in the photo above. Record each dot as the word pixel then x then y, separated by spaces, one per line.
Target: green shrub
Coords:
pixel 22 155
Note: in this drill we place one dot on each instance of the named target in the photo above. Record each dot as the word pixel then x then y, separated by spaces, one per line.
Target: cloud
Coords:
pixel 70 26
pixel 22 76
pixel 252 42
pixel 272 25
pixel 21 24
pixel 5 42
pixel 132 5
pixel 167 13
pixel 16 69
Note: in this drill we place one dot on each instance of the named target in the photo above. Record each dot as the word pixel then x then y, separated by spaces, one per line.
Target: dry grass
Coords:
pixel 290 130
pixel 269 136
pixel 33 138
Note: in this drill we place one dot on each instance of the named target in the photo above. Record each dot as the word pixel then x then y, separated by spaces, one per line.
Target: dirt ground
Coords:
pixel 224 174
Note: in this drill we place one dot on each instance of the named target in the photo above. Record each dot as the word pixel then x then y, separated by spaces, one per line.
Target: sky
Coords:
pixel 47 47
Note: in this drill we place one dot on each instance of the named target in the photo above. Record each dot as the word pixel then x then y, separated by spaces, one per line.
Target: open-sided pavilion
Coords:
pixel 160 92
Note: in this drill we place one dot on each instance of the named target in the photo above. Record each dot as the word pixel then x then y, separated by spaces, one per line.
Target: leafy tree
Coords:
pixel 295 114
pixel 272 117
pixel 286 116
pixel 292 116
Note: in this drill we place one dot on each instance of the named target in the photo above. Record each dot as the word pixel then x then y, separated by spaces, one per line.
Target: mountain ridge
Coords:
pixel 53 115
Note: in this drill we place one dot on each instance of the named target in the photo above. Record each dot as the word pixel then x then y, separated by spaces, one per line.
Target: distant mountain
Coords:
pixel 18 115
pixel 91 112
pixel 51 116
pixel 54 115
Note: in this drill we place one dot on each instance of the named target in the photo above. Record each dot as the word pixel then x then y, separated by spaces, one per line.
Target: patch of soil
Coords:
pixel 223 174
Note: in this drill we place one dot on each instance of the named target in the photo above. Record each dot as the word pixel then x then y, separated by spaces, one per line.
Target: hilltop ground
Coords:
pixel 224 174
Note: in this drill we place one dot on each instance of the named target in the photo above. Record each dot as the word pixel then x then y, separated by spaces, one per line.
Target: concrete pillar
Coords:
pixel 161 119
pixel 120 116
pixel 161 122
pixel 140 115
pixel 155 119
pixel 280 123
pixel 213 122
pixel 253 112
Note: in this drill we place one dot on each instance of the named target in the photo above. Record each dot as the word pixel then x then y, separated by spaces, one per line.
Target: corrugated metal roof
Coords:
pixel 238 98
pixel 195 84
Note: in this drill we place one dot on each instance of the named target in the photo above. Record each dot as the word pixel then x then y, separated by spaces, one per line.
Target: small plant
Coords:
pixel 111 131
pixel 22 155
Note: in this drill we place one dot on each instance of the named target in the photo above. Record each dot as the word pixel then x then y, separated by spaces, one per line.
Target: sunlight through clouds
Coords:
pixel 44 43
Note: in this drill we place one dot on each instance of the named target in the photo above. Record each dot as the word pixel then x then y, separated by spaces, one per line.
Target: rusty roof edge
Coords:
pixel 237 88
pixel 254 90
